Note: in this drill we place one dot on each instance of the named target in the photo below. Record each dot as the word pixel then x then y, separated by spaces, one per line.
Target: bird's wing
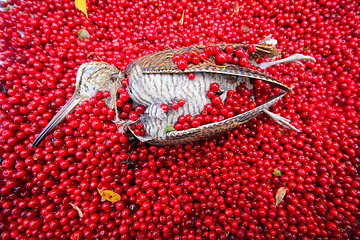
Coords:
pixel 161 62
pixel 214 129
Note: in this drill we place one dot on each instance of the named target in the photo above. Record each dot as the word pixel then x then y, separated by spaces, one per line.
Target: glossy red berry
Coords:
pixel 165 107
pixel 251 48
pixel 191 76
pixel 220 58
pixel 175 105
pixel 182 64
pixel 181 102
pixel 215 86
pixel 176 58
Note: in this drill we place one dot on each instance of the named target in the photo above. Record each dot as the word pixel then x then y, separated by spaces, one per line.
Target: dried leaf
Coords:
pixel 277 172
pixel 236 7
pixel 83 34
pixel 181 22
pixel 169 129
pixel 280 195
pixel 77 209
pixel 90 54
pixel 245 28
pixel 81 5
pixel 109 195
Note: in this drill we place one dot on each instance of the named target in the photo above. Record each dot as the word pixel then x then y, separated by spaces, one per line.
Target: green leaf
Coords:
pixel 83 34
pixel 277 172
pixel 306 48
pixel 169 129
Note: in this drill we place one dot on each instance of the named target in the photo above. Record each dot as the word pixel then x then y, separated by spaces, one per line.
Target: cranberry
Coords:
pixel 182 64
pixel 220 58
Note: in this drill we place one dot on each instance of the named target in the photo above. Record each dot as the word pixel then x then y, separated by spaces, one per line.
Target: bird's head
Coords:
pixel 91 77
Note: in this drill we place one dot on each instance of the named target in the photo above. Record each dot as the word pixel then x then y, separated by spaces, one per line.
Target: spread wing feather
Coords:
pixel 161 62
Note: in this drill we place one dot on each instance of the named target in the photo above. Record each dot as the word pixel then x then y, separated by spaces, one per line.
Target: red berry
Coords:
pixel 220 58
pixel 216 49
pixel 139 109
pixel 243 61
pixel 216 100
pixel 195 123
pixel 210 94
pixel 176 57
pixel 229 57
pixel 181 102
pixel 215 86
pixel 187 56
pixel 191 76
pixel 209 51
pixel 175 105
pixel 165 107
pixel 182 64
pixel 195 60
pixel 251 48
pixel 203 56
pixel 124 96
pixel 133 116
pixel 239 52
pixel 178 126
pixel 229 49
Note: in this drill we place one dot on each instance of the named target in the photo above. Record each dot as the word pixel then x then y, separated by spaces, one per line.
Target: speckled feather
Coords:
pixel 161 62
pixel 213 129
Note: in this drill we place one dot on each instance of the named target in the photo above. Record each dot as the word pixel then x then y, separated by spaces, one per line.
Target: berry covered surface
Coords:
pixel 89 180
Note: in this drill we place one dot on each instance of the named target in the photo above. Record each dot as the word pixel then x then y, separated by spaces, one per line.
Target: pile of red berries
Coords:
pixel 237 102
pixel 215 55
pixel 221 188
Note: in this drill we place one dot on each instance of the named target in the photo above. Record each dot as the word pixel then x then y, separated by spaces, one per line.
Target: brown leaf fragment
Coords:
pixel 236 7
pixel 90 54
pixel 109 195
pixel 245 28
pixel 83 34
pixel 280 195
pixel 77 209
pixel 81 5
pixel 181 22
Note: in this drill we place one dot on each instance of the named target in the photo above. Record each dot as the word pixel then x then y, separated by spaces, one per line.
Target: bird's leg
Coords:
pixel 281 120
pixel 293 58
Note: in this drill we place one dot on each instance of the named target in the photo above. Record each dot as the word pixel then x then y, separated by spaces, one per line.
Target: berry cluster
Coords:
pixel 174 105
pixel 215 56
pixel 237 102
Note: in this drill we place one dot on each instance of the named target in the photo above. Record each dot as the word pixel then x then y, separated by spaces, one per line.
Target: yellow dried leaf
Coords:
pixel 109 195
pixel 77 209
pixel 81 5
pixel 280 195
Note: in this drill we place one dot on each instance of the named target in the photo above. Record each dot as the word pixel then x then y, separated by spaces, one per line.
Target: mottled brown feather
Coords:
pixel 213 129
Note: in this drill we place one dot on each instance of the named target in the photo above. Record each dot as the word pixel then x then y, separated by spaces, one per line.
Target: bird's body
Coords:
pixel 155 79
pixel 152 90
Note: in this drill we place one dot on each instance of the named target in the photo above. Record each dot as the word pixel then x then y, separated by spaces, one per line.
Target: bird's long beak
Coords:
pixel 67 108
